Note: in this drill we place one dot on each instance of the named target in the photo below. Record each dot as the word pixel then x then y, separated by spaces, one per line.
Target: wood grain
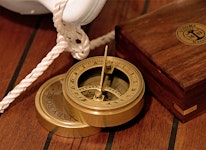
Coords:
pixel 34 36
pixel 12 29
pixel 191 135
pixel 24 124
pixel 177 67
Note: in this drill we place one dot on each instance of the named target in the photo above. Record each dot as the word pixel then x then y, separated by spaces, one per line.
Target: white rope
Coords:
pixel 69 38
pixel 71 33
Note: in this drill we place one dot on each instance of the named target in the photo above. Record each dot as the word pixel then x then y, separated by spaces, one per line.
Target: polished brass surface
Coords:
pixel 56 114
pixel 115 101
pixel 192 34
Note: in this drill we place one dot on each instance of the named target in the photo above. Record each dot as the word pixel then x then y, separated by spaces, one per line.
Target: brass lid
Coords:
pixel 56 114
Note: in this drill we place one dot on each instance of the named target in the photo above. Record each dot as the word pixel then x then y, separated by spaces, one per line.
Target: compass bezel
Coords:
pixel 100 113
pixel 70 86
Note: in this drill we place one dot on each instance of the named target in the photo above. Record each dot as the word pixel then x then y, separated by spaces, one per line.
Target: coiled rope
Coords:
pixel 70 38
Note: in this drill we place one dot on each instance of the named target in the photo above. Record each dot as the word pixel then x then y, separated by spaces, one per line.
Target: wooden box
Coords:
pixel 169 47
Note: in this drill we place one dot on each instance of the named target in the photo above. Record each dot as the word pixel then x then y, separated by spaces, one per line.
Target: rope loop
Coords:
pixel 77 39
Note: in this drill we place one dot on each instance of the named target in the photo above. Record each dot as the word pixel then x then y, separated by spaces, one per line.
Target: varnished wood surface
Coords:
pixel 171 68
pixel 25 40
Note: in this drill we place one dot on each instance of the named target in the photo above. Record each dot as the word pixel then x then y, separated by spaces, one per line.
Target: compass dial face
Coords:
pixel 122 84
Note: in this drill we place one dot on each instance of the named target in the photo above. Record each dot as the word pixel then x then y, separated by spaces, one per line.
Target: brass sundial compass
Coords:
pixel 101 91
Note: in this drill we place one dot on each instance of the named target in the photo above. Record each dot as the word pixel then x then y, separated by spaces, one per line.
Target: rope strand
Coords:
pixel 67 36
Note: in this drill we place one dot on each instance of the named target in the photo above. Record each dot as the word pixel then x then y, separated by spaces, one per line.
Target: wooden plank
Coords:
pixel 191 135
pixel 15 34
pixel 16 31
pixel 20 119
pixel 97 141
pixel 150 131
pixel 154 5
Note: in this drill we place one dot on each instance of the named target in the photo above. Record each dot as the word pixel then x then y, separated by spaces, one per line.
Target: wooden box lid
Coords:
pixel 170 45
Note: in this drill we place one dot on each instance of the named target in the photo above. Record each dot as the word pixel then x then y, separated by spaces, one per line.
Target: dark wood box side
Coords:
pixel 132 47
pixel 127 49
pixel 155 35
pixel 165 96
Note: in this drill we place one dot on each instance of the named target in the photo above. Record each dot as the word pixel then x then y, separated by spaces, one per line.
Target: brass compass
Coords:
pixel 101 91
pixel 106 91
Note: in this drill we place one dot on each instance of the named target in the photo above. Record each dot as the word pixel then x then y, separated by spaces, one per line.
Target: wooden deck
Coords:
pixel 25 40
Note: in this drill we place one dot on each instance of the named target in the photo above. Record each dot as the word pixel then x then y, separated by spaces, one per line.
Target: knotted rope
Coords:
pixel 70 38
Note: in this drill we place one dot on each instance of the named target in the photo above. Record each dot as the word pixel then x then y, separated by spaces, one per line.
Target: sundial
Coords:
pixel 97 92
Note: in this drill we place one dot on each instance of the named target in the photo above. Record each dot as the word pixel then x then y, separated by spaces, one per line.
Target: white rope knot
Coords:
pixel 78 41
pixel 80 46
